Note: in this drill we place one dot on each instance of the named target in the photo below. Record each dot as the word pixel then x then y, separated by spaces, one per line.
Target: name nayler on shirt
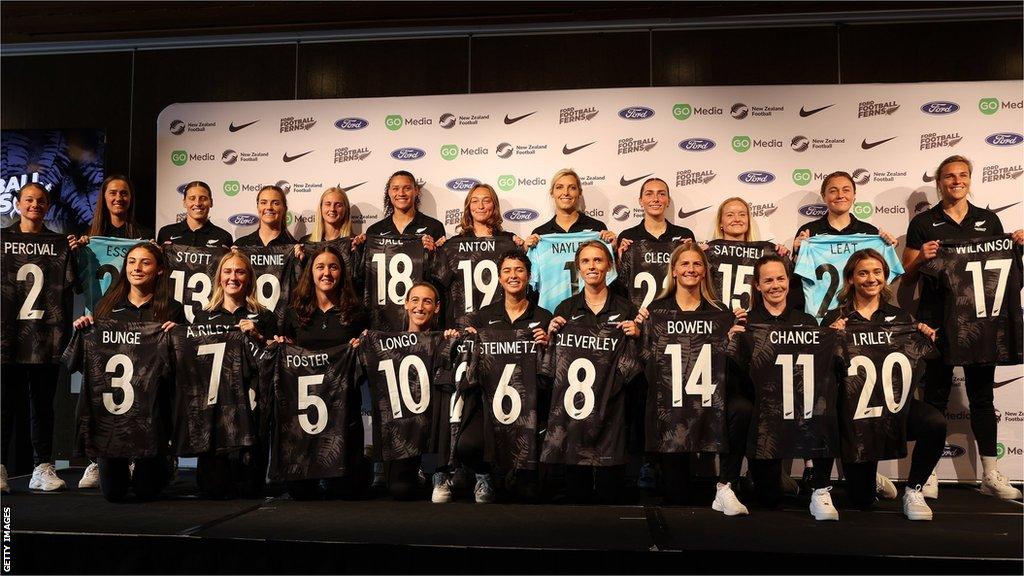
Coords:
pixel 477 246
pixel 393 342
pixel 197 330
pixel 587 342
pixel 989 246
pixel 733 251
pixel 196 257
pixel 29 248
pixel 515 347
pixel 793 336
pixel 690 326
pixel 567 247
pixel 843 247
pixel 110 337
pixel 871 338
pixel 266 259
pixel 307 361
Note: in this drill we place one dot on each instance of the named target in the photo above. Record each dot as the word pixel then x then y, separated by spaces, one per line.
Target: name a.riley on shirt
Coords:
pixel 197 330
pixel 587 342
pixel 12 248
pixel 990 246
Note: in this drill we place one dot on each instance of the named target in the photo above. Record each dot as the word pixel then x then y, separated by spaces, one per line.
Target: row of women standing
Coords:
pixel 325 312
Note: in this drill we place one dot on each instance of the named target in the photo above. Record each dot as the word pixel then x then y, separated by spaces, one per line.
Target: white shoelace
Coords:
pixel 916 497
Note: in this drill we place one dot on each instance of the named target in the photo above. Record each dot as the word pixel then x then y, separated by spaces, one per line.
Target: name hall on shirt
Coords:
pixel 587 342
pixel 12 248
pixel 871 338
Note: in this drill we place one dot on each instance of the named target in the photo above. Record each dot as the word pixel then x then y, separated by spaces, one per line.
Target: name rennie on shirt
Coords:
pixel 306 360
pixel 112 337
pixel 266 259
pixel 989 246
pixel 27 248
pixel 587 342
pixel 793 336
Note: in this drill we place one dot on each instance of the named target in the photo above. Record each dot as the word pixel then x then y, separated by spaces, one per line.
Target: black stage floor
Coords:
pixel 79 532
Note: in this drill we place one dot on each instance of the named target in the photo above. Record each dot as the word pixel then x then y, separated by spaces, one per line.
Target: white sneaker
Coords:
pixel 45 478
pixel 483 492
pixel 726 501
pixel 995 483
pixel 821 505
pixel 91 476
pixel 931 487
pixel 442 488
pixel 885 488
pixel 914 506
pixel 4 486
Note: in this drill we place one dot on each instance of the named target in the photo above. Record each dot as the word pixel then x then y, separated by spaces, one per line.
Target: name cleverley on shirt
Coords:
pixel 587 342
pixel 989 246
pixel 31 249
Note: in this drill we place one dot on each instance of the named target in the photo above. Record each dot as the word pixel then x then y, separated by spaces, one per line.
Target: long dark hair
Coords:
pixel 118 292
pixel 389 208
pixel 100 216
pixel 303 300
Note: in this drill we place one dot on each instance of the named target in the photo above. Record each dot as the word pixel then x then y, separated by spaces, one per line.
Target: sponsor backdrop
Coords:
pixel 770 145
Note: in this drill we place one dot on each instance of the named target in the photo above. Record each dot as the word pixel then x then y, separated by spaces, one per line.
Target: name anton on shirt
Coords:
pixel 306 361
pixel 737 251
pixel 990 246
pixel 477 246
pixel 793 336
pixel 587 342
pixel 31 249
pixel 110 337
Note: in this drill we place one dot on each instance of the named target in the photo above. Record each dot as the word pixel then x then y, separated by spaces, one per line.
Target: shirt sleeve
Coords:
pixel 893 259
pixel 915 235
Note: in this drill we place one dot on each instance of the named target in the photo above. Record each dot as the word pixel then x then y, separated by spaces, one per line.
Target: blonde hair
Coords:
pixel 752 235
pixel 951 160
pixel 252 304
pixel 494 222
pixel 566 172
pixel 707 289
pixel 317 234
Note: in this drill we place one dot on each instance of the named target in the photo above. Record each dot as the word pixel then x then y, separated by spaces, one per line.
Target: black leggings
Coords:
pixel 147 481
pixel 938 380
pixel 767 477
pixel 242 474
pixel 594 484
pixel 469 446
pixel 31 388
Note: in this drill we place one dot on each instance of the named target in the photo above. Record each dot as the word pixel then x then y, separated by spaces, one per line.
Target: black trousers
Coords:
pixel 240 474
pixel 469 447
pixel 403 478
pixel 594 484
pixel 352 486
pixel 767 477
pixel 149 479
pixel 938 380
pixel 28 388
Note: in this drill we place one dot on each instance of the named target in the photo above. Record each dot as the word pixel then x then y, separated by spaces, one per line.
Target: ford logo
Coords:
pixel 462 184
pixel 940 107
pixel 521 215
pixel 697 144
pixel 351 124
pixel 813 210
pixel 408 154
pixel 1004 139
pixel 243 219
pixel 636 113
pixel 953 451
pixel 756 177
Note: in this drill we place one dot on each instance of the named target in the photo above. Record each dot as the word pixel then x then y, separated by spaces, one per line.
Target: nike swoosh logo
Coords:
pixel 214 316
pixel 674 238
pixel 117 310
pixel 567 150
pixel 688 214
pixel 518 118
pixel 937 224
pixel 869 145
pixel 1005 382
pixel 624 182
pixel 533 324
pixel 233 128
pixel 806 113
pixel 577 317
pixel 385 233
pixel 354 186
pixel 494 321
pixel 251 315
pixel 288 158
pixel 175 237
pixel 998 210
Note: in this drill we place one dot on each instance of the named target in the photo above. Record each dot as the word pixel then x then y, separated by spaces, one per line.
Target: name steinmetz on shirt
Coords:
pixel 515 347
pixel 29 249
pixel 587 342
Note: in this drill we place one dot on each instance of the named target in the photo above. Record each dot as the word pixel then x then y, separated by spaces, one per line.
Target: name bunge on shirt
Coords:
pixel 28 249
pixel 989 246
pixel 120 337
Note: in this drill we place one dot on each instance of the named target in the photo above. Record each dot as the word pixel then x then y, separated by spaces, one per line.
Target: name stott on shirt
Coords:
pixel 504 367
pixel 213 407
pixel 794 370
pixel 272 266
pixel 555 277
pixel 391 265
pixel 684 356
pixel 821 261
pixel 468 268
pixel 642 269
pixel 981 321
pixel 36 298
pixel 193 274
pixel 99 263
pixel 589 366
pixel 885 363
pixel 311 389
pixel 732 269
pixel 403 368
pixel 120 407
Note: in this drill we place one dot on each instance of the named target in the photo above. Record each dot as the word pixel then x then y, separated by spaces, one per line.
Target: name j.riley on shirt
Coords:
pixel 871 338
pixel 587 342
pixel 989 246
pixel 28 248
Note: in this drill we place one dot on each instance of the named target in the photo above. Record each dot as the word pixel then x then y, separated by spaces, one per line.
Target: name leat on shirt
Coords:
pixel 395 342
pixel 28 248
pixel 871 338
pixel 266 259
pixel 794 336
pixel 989 246
pixel 689 326
pixel 567 247
pixel 306 360
pixel 113 337
pixel 587 342
pixel 197 330
pixel 195 257
pixel 752 252
pixel 477 246
pixel 843 248
pixel 514 347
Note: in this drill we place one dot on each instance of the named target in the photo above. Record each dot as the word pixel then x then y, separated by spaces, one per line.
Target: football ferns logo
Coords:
pixel 682 111
pixel 179 157
pixel 988 106
pixel 232 187
pixel 449 151
pixel 801 176
pixel 506 182
pixel 741 143
pixel 393 122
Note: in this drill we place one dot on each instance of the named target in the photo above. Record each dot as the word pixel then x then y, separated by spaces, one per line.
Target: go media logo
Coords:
pixel 743 143
pixel 396 121
pixel 989 106
pixel 683 111
pixel 179 157
pixel 508 182
pixel 232 187
pixel 802 176
pixel 862 210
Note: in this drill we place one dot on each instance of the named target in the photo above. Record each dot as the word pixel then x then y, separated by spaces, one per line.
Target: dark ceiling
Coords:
pixel 45 22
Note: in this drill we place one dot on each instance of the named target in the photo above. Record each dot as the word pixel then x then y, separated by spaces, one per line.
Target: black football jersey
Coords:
pixel 274 270
pixel 732 269
pixel 794 370
pixel 213 411
pixel 404 370
pixel 124 403
pixel 452 406
pixel 343 245
pixel 642 269
pixel 391 265
pixel 38 281
pixel 504 368
pixel 589 367
pixel 468 268
pixel 885 363
pixel 312 389
pixel 982 318
pixel 193 274
pixel 684 355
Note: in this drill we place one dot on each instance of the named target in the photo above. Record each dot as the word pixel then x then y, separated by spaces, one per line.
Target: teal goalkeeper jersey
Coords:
pixel 99 263
pixel 554 275
pixel 821 261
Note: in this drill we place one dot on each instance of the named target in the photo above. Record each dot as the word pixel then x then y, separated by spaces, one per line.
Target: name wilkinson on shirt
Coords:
pixel 990 246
